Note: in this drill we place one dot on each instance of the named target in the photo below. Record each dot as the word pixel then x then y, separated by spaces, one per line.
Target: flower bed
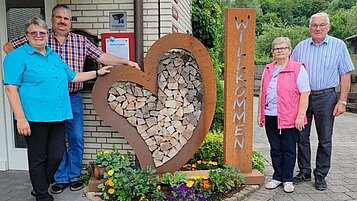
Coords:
pixel 122 181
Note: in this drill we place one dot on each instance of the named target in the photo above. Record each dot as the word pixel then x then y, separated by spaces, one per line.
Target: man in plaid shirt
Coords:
pixel 73 49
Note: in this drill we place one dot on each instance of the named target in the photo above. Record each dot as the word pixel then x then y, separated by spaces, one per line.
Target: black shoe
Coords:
pixel 320 183
pixel 58 188
pixel 33 193
pixel 301 178
pixel 76 185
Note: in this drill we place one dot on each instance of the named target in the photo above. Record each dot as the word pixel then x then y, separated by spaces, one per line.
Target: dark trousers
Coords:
pixel 45 148
pixel 282 149
pixel 320 108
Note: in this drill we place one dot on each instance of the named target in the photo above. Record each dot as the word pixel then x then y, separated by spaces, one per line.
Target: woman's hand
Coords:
pixel 259 121
pixel 299 122
pixel 104 70
pixel 23 127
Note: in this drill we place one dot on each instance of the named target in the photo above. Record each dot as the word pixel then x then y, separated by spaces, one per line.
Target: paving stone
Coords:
pixel 301 197
pixel 335 182
pixel 352 188
pixel 320 197
pixel 353 195
pixel 340 196
pixel 338 189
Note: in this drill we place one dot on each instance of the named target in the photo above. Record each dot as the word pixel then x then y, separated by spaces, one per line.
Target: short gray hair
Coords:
pixel 35 21
pixel 317 15
pixel 280 40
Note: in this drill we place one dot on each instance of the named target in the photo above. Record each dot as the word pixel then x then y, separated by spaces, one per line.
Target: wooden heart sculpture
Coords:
pixel 165 111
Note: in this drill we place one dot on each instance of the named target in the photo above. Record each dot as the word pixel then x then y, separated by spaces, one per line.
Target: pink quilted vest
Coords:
pixel 288 95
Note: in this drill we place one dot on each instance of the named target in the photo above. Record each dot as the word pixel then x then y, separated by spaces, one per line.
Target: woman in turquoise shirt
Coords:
pixel 36 84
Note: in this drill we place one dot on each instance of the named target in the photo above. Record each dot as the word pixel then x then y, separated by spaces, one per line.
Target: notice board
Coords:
pixel 119 44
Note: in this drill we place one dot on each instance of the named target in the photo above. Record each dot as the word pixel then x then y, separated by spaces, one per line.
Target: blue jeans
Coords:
pixel 70 168
pixel 282 149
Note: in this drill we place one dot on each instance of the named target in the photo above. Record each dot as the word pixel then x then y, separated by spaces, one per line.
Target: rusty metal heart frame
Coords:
pixel 148 79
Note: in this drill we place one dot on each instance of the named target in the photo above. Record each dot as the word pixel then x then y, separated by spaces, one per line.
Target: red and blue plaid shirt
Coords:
pixel 73 52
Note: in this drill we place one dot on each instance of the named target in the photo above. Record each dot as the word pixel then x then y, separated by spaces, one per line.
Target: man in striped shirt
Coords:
pixel 328 63
pixel 73 49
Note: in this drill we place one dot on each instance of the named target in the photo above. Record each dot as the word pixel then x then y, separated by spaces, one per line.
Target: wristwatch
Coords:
pixel 343 102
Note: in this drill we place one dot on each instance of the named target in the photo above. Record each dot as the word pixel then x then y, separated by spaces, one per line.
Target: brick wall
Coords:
pixel 93 16
pixel 184 15
pixel 98 135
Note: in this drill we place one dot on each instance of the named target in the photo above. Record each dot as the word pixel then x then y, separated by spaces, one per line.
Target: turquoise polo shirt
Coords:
pixel 42 81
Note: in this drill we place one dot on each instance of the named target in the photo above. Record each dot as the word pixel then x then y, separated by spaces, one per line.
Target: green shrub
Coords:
pixel 211 149
pixel 258 161
pixel 174 179
pixel 127 183
pixel 109 159
pixel 225 179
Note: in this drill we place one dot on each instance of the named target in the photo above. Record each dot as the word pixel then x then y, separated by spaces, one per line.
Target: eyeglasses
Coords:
pixel 315 26
pixel 278 49
pixel 36 34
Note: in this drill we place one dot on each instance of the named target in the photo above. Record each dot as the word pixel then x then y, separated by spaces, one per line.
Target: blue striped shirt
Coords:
pixel 325 63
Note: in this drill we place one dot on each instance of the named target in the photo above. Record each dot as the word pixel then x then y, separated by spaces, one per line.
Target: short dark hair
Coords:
pixel 58 6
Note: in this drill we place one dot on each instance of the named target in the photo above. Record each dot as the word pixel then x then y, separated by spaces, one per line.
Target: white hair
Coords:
pixel 318 15
pixel 280 40
pixel 35 21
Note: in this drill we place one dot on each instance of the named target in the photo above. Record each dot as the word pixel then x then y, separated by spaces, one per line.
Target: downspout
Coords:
pixel 139 33
pixel 159 18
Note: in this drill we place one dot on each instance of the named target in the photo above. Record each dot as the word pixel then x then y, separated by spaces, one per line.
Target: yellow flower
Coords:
pixel 194 165
pixel 214 163
pixel 99 153
pixel 158 187
pixel 103 189
pixel 196 177
pixel 142 197
pixel 204 162
pixel 199 162
pixel 106 152
pixel 111 191
pixel 190 183
pixel 110 172
pixel 110 182
pixel 204 177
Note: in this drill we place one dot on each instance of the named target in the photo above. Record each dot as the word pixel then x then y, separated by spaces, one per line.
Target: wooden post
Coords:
pixel 238 89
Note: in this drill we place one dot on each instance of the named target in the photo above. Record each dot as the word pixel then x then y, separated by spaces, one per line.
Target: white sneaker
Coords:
pixel 272 184
pixel 288 187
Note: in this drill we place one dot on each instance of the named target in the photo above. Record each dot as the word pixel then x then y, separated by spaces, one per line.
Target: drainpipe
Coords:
pixel 139 33
pixel 158 15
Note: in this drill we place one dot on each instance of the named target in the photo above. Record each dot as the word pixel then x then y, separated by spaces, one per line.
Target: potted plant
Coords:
pixel 106 160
